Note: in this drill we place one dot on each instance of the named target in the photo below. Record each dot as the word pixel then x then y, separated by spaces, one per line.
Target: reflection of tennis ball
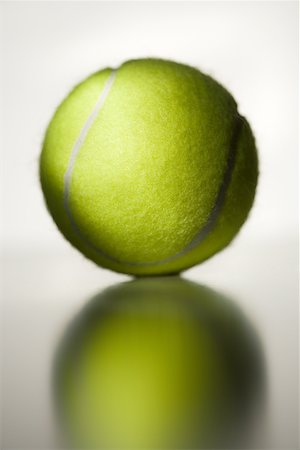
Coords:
pixel 149 168
pixel 158 364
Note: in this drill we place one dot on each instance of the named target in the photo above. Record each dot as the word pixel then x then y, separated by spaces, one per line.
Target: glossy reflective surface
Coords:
pixel 159 363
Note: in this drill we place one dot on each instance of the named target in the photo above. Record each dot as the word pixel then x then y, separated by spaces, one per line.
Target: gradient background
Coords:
pixel 250 47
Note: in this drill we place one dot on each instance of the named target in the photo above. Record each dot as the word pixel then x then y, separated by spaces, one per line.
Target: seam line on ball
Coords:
pixel 221 195
pixel 77 146
pixel 212 218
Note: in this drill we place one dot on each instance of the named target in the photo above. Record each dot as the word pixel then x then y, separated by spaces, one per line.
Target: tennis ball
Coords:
pixel 149 168
pixel 159 364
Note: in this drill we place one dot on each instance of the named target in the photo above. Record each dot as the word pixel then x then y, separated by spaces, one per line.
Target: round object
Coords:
pixel 149 168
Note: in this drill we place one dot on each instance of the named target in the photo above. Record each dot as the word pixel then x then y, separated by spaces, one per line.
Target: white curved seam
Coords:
pixel 82 136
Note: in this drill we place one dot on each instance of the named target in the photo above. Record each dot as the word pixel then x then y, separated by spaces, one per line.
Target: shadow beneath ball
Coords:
pixel 159 363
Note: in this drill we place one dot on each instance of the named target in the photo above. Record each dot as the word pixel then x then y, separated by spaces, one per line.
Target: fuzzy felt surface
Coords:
pixel 149 170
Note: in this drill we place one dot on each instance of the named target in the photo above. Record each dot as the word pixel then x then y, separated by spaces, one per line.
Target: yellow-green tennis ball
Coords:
pixel 149 168
pixel 159 364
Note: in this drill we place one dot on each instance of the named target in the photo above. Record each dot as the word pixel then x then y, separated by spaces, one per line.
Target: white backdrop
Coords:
pixel 250 47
